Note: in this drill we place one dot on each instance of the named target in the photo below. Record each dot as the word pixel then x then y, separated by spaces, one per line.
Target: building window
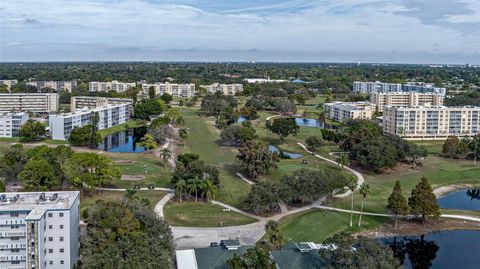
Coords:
pixel 62 250
pixel 50 215
pixel 61 262
pixel 50 262
pixel 50 239
pixel 50 250
pixel 13 214
pixel 61 226
pixel 61 238
pixel 50 227
pixel 61 214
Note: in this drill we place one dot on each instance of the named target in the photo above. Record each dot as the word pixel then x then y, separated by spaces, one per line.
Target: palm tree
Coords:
pixel 183 134
pixel 342 160
pixel 180 121
pixel 475 147
pixel 209 189
pixel 273 235
pixel 180 188
pixel 193 185
pixel 165 154
pixel 364 191
pixel 352 185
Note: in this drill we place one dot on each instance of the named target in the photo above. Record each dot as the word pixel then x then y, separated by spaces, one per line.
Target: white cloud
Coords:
pixel 352 27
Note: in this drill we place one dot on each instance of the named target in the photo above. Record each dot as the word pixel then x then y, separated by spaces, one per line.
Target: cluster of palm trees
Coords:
pixel 364 191
pixel 196 187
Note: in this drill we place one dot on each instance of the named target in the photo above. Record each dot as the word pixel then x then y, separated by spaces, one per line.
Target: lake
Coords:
pixel 289 154
pixel 460 200
pixel 306 122
pixel 125 141
pixel 449 249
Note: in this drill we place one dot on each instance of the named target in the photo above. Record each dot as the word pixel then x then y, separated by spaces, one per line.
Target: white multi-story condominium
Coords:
pixel 341 111
pixel 79 102
pixel 227 89
pixel 68 86
pixel 431 122
pixel 423 88
pixel 381 99
pixel 39 230
pixel 117 86
pixel 377 86
pixel 61 125
pixel 11 122
pixel 174 89
pixel 9 83
pixel 29 102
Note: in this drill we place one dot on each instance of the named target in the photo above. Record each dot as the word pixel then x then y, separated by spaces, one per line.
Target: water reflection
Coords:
pixel 451 249
pixel 125 141
pixel 284 154
pixel 467 199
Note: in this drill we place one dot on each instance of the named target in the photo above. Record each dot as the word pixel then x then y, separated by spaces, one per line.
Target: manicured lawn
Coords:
pixel 438 170
pixel 86 201
pixel 317 225
pixel 201 214
pixel 433 146
pixel 122 127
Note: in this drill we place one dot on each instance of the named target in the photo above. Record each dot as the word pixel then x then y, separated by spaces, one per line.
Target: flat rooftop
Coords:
pixel 37 202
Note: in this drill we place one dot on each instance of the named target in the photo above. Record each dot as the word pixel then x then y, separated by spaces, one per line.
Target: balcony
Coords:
pixel 13 245
pixel 13 257
pixel 10 234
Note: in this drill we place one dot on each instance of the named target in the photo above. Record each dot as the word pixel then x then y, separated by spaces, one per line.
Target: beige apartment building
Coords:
pixel 341 111
pixel 29 102
pixel 176 90
pixel 9 83
pixel 226 89
pixel 381 99
pixel 431 122
pixel 80 102
pixel 117 86
pixel 68 86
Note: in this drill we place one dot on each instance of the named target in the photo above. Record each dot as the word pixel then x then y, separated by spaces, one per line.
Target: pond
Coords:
pixel 306 122
pixel 125 141
pixel 241 119
pixel 449 249
pixel 289 154
pixel 467 199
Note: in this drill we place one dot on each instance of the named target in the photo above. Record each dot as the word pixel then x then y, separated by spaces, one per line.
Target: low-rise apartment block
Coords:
pixel 10 124
pixel 117 86
pixel 79 102
pixel 29 102
pixel 68 86
pixel 176 90
pixel 9 83
pixel 377 86
pixel 431 122
pixel 227 89
pixel 341 111
pixel 61 125
pixel 381 99
pixel 39 230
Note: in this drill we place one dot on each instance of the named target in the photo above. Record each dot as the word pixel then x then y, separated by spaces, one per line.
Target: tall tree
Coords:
pixel 257 159
pixel 283 127
pixel 273 235
pixel 94 135
pixel 209 189
pixel 165 155
pixel 423 202
pixel 31 131
pixel 475 147
pixel 397 203
pixel 343 160
pixel 183 134
pixel 451 146
pixel 253 258
pixel 193 186
pixel 364 191
pixel 39 175
pixel 180 188
pixel 352 186
pixel 415 151
pixel 151 92
pixel 13 161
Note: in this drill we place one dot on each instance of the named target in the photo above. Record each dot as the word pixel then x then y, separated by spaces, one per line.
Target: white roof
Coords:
pixel 186 259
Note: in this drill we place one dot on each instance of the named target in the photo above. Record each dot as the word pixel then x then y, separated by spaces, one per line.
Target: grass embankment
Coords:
pixel 202 140
pixel 202 214
pixel 86 201
pixel 317 225
pixel 122 127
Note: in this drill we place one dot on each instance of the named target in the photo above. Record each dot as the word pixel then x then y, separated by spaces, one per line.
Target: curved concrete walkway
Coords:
pixel 360 178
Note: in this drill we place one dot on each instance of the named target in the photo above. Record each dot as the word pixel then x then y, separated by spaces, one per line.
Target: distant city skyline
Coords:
pixel 373 31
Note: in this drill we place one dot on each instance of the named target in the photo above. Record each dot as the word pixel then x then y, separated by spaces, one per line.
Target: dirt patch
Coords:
pixel 124 162
pixel 401 167
pixel 133 177
pixel 443 190
pixel 414 227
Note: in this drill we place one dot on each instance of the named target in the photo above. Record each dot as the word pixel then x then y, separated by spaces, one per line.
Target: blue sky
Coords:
pixel 401 31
